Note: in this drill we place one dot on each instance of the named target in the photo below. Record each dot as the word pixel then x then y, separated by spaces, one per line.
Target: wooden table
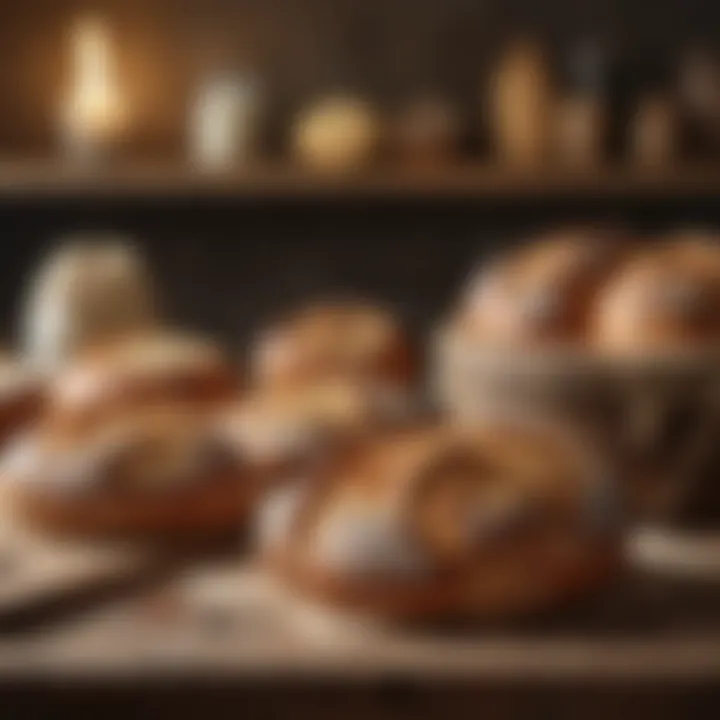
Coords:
pixel 220 638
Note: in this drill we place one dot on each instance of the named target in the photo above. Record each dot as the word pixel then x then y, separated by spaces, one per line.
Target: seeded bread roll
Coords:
pixel 341 341
pixel 542 293
pixel 481 522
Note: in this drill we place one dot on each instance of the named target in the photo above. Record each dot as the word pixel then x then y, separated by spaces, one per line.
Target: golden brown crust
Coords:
pixel 450 596
pixel 144 369
pixel 602 293
pixel 22 396
pixel 20 411
pixel 542 293
pixel 154 469
pixel 130 444
pixel 218 503
pixel 695 246
pixel 290 427
pixel 446 522
pixel 667 300
pixel 333 342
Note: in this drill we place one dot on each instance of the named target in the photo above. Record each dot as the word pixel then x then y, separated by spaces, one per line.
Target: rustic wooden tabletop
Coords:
pixel 203 633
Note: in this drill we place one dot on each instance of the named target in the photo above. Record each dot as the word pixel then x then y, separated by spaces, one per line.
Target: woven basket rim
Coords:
pixel 575 360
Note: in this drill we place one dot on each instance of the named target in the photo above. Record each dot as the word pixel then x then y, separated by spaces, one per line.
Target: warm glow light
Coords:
pixel 93 106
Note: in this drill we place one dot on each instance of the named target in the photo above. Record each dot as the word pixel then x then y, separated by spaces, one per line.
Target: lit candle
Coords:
pixel 92 114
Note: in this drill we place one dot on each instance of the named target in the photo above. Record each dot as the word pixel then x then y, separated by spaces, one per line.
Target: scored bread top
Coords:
pixel 333 341
pixel 150 368
pixel 600 292
pixel 541 292
pixel 148 449
pixel 432 499
pixel 667 298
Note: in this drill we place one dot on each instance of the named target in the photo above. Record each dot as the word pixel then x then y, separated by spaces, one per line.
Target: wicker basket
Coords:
pixel 657 418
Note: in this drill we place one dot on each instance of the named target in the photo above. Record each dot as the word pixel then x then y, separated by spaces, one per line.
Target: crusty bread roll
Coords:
pixel 287 431
pixel 541 293
pixel 600 292
pixel 667 300
pixel 144 471
pixel 340 341
pixel 145 368
pixel 481 522
pixel 130 443
pixel 22 396
pixel 89 289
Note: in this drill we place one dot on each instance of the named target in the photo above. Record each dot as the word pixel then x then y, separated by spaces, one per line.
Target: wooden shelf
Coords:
pixel 31 180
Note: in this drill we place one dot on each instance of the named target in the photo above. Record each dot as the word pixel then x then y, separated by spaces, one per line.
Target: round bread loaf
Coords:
pixel 542 293
pixel 296 432
pixel 481 522
pixel 666 300
pixel 338 341
pixel 143 471
pixel 130 444
pixel 145 368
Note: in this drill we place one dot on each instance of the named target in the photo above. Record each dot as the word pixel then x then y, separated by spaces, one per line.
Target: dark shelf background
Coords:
pixel 226 264
pixel 386 49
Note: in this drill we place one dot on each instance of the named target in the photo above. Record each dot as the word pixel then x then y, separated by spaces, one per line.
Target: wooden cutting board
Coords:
pixel 39 574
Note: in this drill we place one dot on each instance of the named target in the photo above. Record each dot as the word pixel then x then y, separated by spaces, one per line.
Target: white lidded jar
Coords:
pixel 223 122
pixel 88 290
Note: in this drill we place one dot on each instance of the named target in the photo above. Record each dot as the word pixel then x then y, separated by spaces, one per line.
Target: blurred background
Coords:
pixel 267 152
pixel 264 151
